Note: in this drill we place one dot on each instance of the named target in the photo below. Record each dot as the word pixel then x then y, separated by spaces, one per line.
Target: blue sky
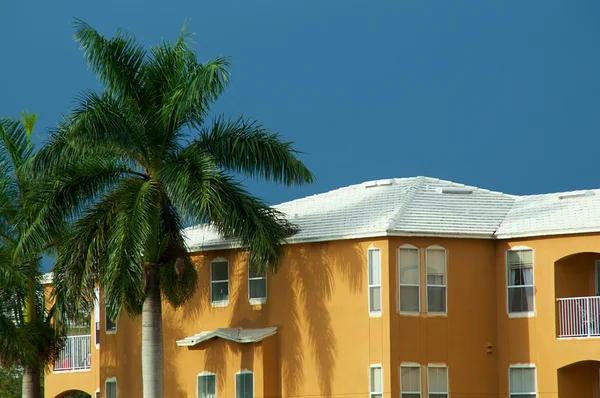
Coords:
pixel 503 95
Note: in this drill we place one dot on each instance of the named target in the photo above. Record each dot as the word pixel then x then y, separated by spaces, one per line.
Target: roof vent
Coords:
pixel 455 190
pixel 576 194
pixel 385 182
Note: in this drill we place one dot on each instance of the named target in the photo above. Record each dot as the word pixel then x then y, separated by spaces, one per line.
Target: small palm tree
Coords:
pixel 27 337
pixel 135 163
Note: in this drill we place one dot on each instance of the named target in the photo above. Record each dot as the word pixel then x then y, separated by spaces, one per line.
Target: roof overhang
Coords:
pixel 237 335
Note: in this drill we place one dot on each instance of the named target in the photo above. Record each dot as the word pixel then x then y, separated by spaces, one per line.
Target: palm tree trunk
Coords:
pixel 31 383
pixel 152 345
pixel 31 375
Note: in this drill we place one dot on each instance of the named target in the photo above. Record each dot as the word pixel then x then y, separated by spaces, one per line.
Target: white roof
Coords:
pixel 418 206
pixel 552 214
pixel 237 335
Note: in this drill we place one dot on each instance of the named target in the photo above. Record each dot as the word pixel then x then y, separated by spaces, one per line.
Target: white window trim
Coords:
pixel 257 300
pixel 97 393
pixel 411 365
pixel 220 303
pixel 205 373
pixel 375 366
pixel 439 365
pixel 374 314
pixel 110 380
pixel 244 371
pixel 525 314
pixel 523 366
pixel 409 313
pixel 445 286
pixel 106 329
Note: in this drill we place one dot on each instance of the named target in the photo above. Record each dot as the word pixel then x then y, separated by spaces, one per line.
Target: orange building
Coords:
pixel 399 288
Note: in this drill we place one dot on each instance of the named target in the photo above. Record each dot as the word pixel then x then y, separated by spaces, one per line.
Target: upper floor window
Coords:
pixel 244 384
pixel 257 284
pixel 436 279
pixel 437 381
pixel 219 282
pixel 207 385
pixel 519 265
pixel 521 381
pixel 410 381
pixel 110 326
pixel 374 264
pixel 376 379
pixel 409 279
pixel 111 388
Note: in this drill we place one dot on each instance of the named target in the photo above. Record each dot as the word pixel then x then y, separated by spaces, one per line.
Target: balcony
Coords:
pixel 75 355
pixel 579 316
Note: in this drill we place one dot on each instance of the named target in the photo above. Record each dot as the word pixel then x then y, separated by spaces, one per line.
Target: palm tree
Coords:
pixel 27 337
pixel 135 163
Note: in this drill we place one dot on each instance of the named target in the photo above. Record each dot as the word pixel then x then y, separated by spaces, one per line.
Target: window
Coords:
pixel 111 388
pixel 109 325
pixel 437 381
pixel 409 279
pixel 374 281
pixel 376 379
pixel 219 282
pixel 207 385
pixel 257 284
pixel 522 381
pixel 520 281
pixel 244 385
pixel 436 279
pixel 410 381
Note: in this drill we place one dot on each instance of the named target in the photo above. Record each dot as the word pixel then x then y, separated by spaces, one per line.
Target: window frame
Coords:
pixel 445 285
pixel 220 303
pixel 523 366
pixel 111 380
pixel 414 366
pixel 371 367
pixel 438 366
pixel 244 371
pixel 374 313
pixel 521 314
pixel 202 374
pixel 400 284
pixel 107 320
pixel 257 300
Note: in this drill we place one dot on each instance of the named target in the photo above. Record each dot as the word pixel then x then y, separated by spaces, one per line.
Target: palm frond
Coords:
pixel 206 195
pixel 66 194
pixel 14 148
pixel 117 62
pixel 245 146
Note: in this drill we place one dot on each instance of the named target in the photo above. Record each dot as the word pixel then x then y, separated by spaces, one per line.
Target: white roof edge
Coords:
pixel 227 246
pixel 47 278
pixel 533 234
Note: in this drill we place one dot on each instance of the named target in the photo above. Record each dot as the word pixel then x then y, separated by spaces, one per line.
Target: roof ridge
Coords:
pixel 410 195
pixel 347 187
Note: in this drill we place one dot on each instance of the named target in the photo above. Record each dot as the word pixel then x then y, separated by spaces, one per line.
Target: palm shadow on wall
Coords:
pixel 298 304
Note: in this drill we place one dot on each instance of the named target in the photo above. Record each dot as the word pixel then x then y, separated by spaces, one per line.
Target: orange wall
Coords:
pixel 459 339
pixel 327 340
pixel 534 340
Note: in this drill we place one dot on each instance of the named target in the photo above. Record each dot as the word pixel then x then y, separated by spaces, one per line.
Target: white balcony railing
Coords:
pixel 579 316
pixel 75 355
